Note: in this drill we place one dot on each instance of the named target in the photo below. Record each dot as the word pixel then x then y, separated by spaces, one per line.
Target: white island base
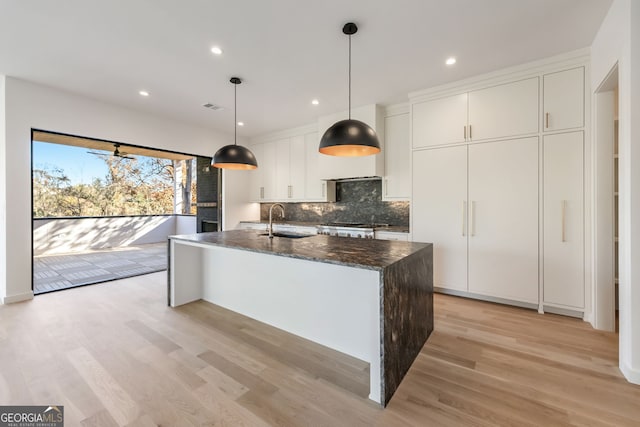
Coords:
pixel 334 305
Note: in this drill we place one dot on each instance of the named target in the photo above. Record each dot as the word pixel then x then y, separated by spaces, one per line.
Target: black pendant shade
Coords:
pixel 234 156
pixel 349 138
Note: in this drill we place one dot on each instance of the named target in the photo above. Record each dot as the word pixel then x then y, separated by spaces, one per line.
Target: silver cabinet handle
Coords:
pixel 465 132
pixel 262 192
pixel 386 186
pixel 324 189
pixel 464 223
pixel 470 137
pixel 289 191
pixel 472 214
pixel 563 205
pixel 546 120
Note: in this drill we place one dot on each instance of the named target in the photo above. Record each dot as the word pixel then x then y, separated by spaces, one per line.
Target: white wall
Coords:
pixel 64 235
pixel 185 224
pixel 3 195
pixel 618 40
pixel 28 106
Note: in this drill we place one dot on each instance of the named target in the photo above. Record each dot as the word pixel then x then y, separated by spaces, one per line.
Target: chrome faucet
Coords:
pixel 271 217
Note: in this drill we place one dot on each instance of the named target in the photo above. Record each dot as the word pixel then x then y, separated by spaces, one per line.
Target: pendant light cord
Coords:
pixel 349 76
pixel 235 114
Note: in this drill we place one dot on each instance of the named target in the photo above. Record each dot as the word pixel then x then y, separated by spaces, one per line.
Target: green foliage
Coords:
pixel 139 186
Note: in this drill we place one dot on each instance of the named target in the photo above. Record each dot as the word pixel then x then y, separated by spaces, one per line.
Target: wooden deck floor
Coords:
pixel 55 272
pixel 117 355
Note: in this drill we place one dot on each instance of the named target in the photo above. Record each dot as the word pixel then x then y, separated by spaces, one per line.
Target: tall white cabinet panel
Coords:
pixel 282 189
pixel 297 159
pixel 503 219
pixel 441 121
pixel 563 97
pixel 504 111
pixel 439 212
pixel 257 185
pixel 397 178
pixel 564 219
pixel 268 163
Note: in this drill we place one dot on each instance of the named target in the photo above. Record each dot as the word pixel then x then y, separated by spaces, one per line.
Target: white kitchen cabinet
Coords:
pixel 397 158
pixel 439 121
pixel 563 99
pixel 391 235
pixel 564 220
pixel 503 219
pixel 335 167
pixel 290 174
pixel 316 189
pixel 257 184
pixel 283 160
pixel 297 173
pixel 439 212
pixel 269 167
pixel 505 110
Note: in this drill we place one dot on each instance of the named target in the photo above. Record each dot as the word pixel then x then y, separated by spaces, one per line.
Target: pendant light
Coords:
pixel 234 156
pixel 349 138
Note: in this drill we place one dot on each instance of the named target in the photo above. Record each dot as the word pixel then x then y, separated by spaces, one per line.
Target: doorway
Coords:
pixel 102 210
pixel 606 263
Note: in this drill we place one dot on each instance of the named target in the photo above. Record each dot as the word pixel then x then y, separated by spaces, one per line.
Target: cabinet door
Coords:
pixel 314 185
pixel 397 179
pixel 257 184
pixel 268 165
pixel 441 121
pixel 563 250
pixel 283 156
pixel 297 168
pixel 503 219
pixel 564 99
pixel 439 213
pixel 504 111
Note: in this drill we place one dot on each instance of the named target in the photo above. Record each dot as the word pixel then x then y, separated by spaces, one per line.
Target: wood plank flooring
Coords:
pixel 115 354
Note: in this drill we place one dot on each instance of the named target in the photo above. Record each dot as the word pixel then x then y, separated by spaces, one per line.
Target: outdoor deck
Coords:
pixel 54 272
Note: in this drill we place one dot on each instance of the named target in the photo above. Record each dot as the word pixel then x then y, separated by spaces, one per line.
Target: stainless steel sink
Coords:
pixel 288 235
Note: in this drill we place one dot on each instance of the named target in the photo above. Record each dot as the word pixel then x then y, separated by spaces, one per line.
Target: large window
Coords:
pixel 73 181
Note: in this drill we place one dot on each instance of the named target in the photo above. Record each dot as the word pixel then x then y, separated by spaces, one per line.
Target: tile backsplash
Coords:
pixel 356 201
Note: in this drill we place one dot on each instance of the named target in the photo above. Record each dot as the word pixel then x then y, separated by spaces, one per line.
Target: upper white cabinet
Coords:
pixel 333 167
pixel 506 110
pixel 564 220
pixel 397 158
pixel 263 179
pixel 440 121
pixel 563 98
pixel 501 111
pixel 316 189
pixel 290 168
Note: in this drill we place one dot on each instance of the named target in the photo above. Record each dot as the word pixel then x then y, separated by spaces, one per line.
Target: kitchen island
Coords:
pixel 371 299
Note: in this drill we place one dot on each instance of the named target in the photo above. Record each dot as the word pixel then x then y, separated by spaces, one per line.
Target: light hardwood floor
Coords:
pixel 115 354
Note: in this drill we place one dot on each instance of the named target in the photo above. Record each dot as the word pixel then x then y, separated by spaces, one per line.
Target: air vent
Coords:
pixel 213 107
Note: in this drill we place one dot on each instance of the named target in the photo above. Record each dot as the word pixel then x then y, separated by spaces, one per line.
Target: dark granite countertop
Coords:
pixel 362 253
pixel 391 228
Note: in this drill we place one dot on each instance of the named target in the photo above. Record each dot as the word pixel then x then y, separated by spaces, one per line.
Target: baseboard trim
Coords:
pixel 17 298
pixel 632 375
pixel 485 298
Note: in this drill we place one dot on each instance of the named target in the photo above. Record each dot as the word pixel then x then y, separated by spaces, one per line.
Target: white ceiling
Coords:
pixel 287 51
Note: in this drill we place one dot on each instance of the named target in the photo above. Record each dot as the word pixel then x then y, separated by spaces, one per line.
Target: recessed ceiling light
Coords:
pixel 240 123
pixel 216 50
pixel 315 102
pixel 450 61
pixel 143 93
